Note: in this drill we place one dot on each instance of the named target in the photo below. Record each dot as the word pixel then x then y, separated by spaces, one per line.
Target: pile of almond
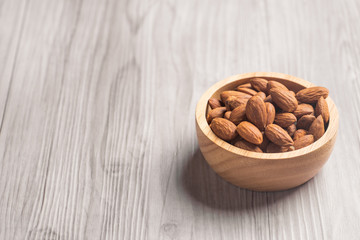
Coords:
pixel 265 116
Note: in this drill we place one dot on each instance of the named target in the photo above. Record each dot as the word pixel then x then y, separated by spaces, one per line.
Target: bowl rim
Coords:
pixel 202 105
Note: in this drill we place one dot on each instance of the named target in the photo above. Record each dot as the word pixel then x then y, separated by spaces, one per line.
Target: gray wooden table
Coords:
pixel 97 101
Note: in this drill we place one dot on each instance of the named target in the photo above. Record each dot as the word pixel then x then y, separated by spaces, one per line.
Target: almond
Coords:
pixel 227 115
pixel 303 141
pixel 247 146
pixel 273 148
pixel 322 109
pixel 261 94
pixel 299 133
pixel 224 95
pixel 274 84
pixel 238 114
pixel 256 112
pixel 278 135
pixel 317 127
pixel 270 113
pixel 284 99
pixel 303 109
pixel 223 128
pixel 245 85
pixel 284 119
pixel 291 129
pixel 234 101
pixel 312 94
pixel 259 84
pixel 264 143
pixel 214 103
pixel 249 132
pixel 215 113
pixel 246 90
pixel 305 122
pixel 268 99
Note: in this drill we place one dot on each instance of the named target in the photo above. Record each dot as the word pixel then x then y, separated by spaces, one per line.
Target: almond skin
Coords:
pixel 278 135
pixel 317 127
pixel 246 90
pixel 214 103
pixel 305 121
pixel 260 84
pixel 227 115
pixel 322 109
pixel 270 113
pixel 249 132
pixel 303 109
pixel 261 94
pixel 245 85
pixel 256 112
pixel 291 129
pixel 215 113
pixel 238 114
pixel 247 146
pixel 224 95
pixel 264 143
pixel 299 133
pixel 284 99
pixel 274 84
pixel 273 148
pixel 304 141
pixel 284 119
pixel 233 102
pixel 312 94
pixel 224 129
pixel 268 99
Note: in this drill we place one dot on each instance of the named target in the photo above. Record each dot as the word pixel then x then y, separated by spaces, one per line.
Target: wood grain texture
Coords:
pixel 97 104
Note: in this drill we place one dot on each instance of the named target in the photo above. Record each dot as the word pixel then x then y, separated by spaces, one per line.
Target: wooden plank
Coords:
pixel 97 104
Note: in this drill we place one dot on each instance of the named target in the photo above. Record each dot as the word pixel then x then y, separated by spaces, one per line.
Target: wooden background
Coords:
pixel 97 132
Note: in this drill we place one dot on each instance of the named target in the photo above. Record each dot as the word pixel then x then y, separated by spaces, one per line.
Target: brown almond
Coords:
pixel 247 146
pixel 299 133
pixel 227 115
pixel 256 112
pixel 260 84
pixel 233 102
pixel 304 141
pixel 275 84
pixel 245 85
pixel 305 121
pixel 264 143
pixel 284 119
pixel 284 99
pixel 224 95
pixel 246 90
pixel 215 113
pixel 322 109
pixel 261 94
pixel 312 94
pixel 214 103
pixel 303 109
pixel 273 148
pixel 317 127
pixel 278 135
pixel 270 113
pixel 223 128
pixel 291 129
pixel 249 132
pixel 238 114
pixel 268 99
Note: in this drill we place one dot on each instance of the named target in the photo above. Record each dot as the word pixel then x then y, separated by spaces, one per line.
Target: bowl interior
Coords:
pixel 293 83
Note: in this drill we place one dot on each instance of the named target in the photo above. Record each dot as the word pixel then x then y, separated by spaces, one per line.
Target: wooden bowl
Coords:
pixel 263 171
